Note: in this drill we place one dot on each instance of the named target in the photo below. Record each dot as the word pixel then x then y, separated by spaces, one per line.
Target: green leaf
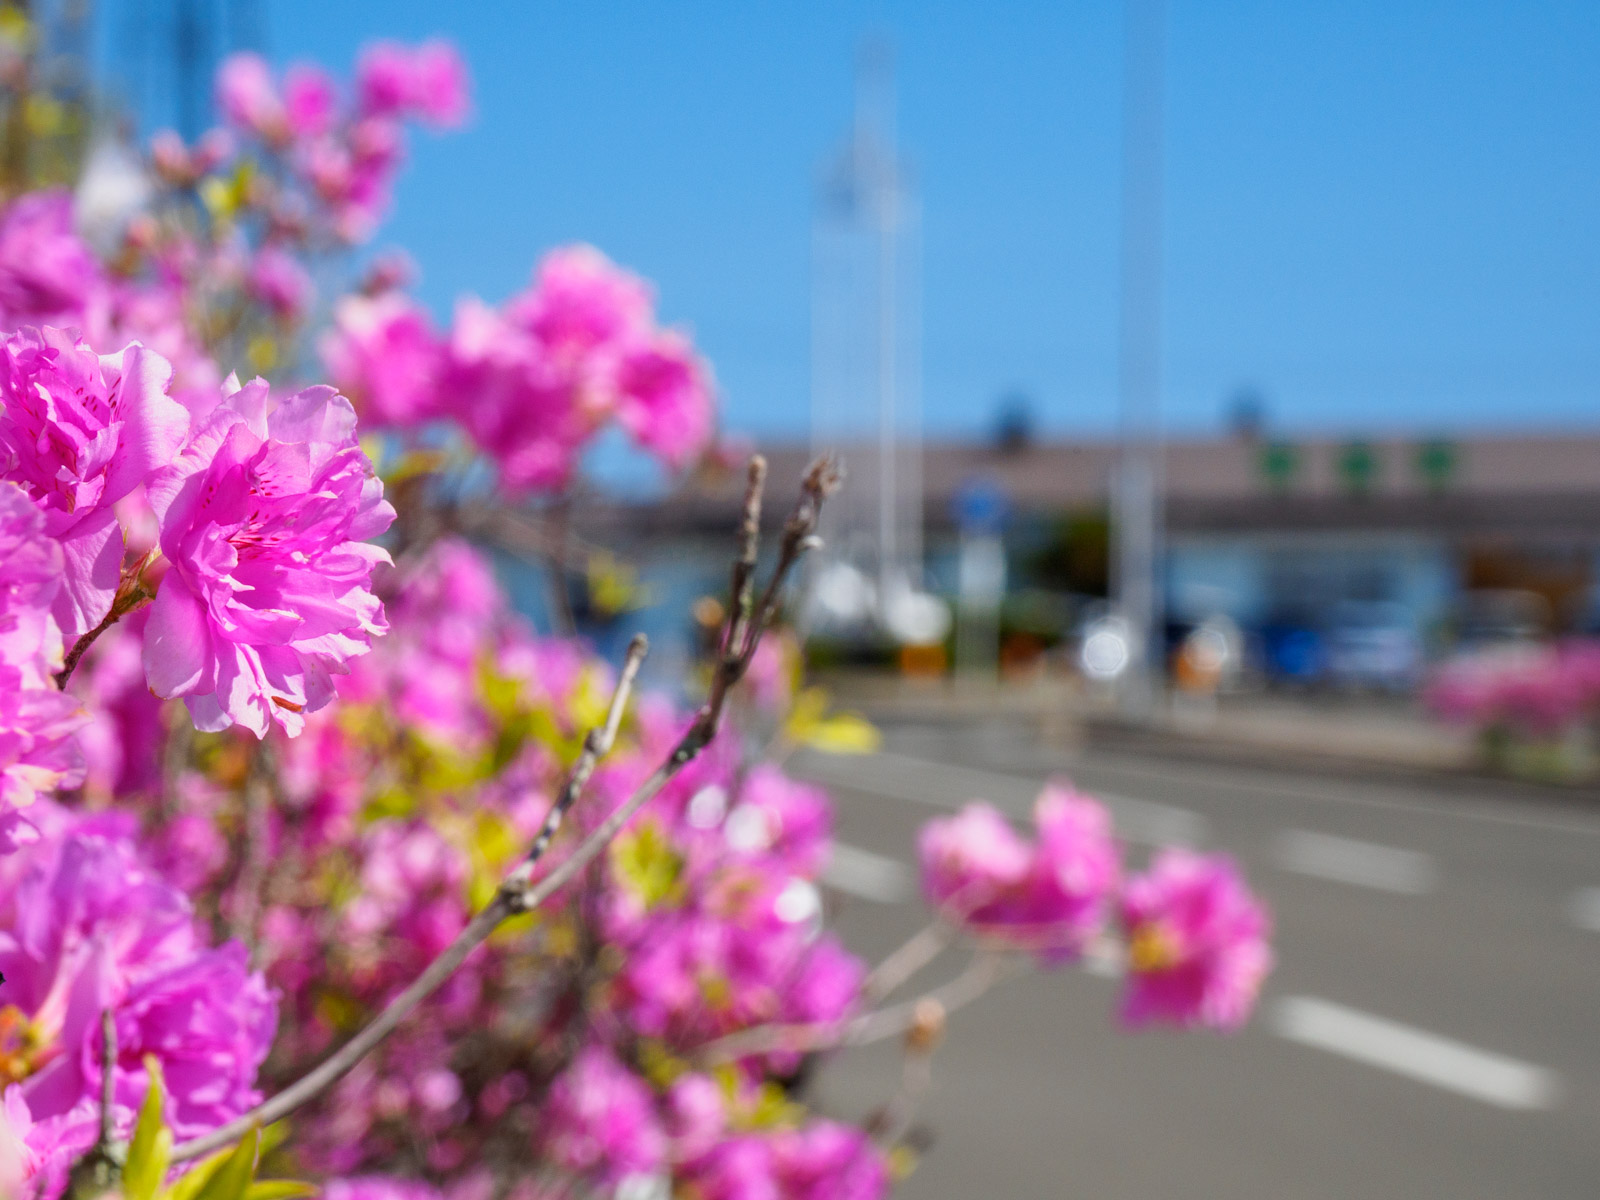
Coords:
pixel 646 863
pixel 279 1189
pixel 150 1150
pixel 233 1178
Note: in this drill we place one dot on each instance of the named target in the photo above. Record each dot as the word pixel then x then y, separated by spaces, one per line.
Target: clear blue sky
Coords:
pixel 1383 215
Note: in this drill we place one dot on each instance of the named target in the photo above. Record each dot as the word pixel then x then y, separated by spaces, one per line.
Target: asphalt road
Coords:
pixel 1432 1027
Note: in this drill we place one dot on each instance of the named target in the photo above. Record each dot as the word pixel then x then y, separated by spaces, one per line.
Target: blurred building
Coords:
pixel 1478 537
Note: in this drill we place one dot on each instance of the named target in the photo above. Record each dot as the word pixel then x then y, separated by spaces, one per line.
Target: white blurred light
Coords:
pixel 707 807
pixel 111 190
pixel 799 901
pixel 747 830
pixel 1105 653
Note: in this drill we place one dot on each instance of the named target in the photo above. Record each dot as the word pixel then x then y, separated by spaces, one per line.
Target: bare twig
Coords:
pixel 981 974
pixel 916 1075
pixel 120 608
pixel 100 1168
pixel 596 746
pixel 108 1085
pixel 920 949
pixel 518 894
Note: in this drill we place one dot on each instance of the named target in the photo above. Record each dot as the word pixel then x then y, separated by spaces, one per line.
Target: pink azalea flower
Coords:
pixel 785 820
pixel 696 1115
pixel 1076 871
pixel 80 431
pixel 309 100
pixel 827 985
pixel 384 79
pixel 170 157
pixel 583 303
pixel 48 275
pixel 88 928
pixel 429 82
pixel 38 748
pixel 378 1187
pixel 1197 943
pixel 249 98
pixel 601 1118
pixel 279 281
pixel 382 352
pixel 439 84
pixel 972 861
pixel 519 406
pixel 826 1160
pixel 664 398
pixel 265 519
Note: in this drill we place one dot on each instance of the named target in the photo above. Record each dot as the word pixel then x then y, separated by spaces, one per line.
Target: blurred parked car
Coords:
pixel 1373 645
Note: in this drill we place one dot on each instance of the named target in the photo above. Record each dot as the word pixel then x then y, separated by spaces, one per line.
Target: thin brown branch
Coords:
pixel 920 949
pixel 108 1084
pixel 916 1075
pixel 517 894
pixel 120 608
pixel 596 746
pixel 981 974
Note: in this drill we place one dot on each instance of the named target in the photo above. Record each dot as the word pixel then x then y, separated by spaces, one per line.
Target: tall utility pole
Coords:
pixel 865 350
pixel 1137 504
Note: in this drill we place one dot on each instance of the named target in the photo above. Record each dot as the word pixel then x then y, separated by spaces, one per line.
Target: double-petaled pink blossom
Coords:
pixel 1197 943
pixel 79 431
pixel 265 518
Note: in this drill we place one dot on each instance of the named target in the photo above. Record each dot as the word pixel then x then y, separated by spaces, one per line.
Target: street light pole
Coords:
pixel 1137 487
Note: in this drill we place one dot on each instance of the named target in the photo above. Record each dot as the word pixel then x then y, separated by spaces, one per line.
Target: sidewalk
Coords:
pixel 1374 737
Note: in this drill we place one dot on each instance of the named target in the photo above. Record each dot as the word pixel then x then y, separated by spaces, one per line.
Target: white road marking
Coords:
pixel 1584 909
pixel 947 785
pixel 870 876
pixel 1364 864
pixel 1242 783
pixel 1454 1066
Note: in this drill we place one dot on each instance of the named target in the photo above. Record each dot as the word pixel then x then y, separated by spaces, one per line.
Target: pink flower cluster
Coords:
pixel 534 382
pixel 1053 893
pixel 1195 938
pixel 1536 691
pixel 50 277
pixel 1197 943
pixel 263 510
pixel 707 909
pixel 88 927
pixel 344 159
pixel 605 1123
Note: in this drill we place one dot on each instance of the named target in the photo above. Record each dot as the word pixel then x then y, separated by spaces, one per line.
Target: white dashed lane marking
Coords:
pixel 1427 1057
pixel 870 876
pixel 1364 864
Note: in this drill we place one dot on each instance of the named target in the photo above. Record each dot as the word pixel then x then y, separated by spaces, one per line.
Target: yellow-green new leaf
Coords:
pixel 279 1189
pixel 233 1178
pixel 150 1149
